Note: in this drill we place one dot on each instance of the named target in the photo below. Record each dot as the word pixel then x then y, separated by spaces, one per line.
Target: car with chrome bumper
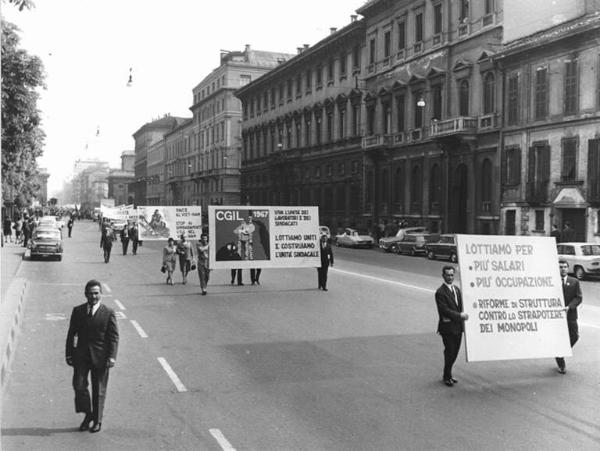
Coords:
pixel 390 243
pixel 445 247
pixel 583 258
pixel 353 238
pixel 46 242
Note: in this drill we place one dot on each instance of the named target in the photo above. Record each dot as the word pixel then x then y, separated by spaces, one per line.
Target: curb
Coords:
pixel 11 317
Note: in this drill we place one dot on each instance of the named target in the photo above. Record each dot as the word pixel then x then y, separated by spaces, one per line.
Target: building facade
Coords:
pixel 120 179
pixel 302 129
pixel 551 134
pixel 431 114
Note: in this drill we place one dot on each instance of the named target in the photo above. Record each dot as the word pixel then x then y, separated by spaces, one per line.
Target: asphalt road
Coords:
pixel 284 366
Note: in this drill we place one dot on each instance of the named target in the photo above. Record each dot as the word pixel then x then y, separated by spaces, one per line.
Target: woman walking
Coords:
pixel 203 269
pixel 169 259
pixel 186 254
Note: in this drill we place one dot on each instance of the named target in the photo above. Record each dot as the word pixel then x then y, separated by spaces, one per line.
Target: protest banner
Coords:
pixel 512 293
pixel 161 223
pixel 120 213
pixel 264 237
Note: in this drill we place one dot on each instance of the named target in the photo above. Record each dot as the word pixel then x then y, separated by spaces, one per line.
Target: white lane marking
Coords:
pixel 55 316
pixel 106 288
pixel 120 315
pixel 379 279
pixel 595 326
pixel 138 328
pixel 57 283
pixel 219 437
pixel 121 306
pixel 180 387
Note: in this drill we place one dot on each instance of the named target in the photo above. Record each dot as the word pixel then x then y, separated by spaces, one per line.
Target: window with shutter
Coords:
pixel 569 159
pixel 594 170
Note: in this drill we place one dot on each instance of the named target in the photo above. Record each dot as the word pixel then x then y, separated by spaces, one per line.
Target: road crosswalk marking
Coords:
pixel 220 438
pixel 178 384
pixel 106 288
pixel 121 306
pixel 138 328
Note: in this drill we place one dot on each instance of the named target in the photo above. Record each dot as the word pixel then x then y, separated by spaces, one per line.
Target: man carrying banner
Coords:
pixel 573 297
pixel 450 325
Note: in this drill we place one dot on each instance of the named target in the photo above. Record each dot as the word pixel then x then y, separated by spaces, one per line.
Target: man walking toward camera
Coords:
pixel 92 343
pixel 573 297
pixel 450 325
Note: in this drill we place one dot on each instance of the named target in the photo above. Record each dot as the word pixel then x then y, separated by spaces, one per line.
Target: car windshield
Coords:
pixel 447 239
pixel 47 235
pixel 590 249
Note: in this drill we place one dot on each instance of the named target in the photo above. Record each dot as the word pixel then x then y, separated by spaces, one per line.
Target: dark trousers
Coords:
pixel 107 246
pixel 239 276
pixel 125 244
pixel 451 348
pixel 134 246
pixel 255 275
pixel 70 230
pixel 322 272
pixel 573 337
pixel 82 394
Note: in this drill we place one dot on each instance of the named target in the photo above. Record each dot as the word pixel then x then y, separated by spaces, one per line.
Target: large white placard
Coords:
pixel 264 237
pixel 161 223
pixel 513 294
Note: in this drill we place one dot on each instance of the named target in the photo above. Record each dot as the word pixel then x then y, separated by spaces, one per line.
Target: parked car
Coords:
pixel 60 222
pixel 46 242
pixel 414 243
pixel 583 258
pixel 389 244
pixel 48 222
pixel 445 247
pixel 324 230
pixel 352 238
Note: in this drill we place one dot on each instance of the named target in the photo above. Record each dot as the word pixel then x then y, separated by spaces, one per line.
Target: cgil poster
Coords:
pixel 512 293
pixel 162 223
pixel 263 237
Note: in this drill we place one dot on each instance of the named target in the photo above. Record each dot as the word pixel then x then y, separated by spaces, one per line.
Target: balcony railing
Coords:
pixel 488 121
pixel 461 124
pixel 376 141
pixel 537 192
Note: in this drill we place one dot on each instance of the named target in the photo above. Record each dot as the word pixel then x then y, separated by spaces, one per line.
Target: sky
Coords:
pixel 88 48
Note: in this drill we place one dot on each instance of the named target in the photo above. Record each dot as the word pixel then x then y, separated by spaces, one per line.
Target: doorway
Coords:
pixel 576 216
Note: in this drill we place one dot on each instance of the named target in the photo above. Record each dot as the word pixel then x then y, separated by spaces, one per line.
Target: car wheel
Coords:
pixel 59 258
pixel 430 255
pixel 579 273
pixel 413 252
pixel 393 248
pixel 453 257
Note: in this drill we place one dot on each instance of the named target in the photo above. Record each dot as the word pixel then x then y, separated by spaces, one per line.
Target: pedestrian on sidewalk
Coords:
pixel 450 325
pixel 573 297
pixel 7 229
pixel 125 238
pixel 202 250
pixel 186 254
pixel 169 260
pixel 70 225
pixel 326 260
pixel 18 230
pixel 92 344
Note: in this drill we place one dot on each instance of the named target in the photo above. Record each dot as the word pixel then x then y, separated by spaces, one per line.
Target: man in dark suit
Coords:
pixel 450 325
pixel 326 260
pixel 573 297
pixel 125 238
pixel 93 327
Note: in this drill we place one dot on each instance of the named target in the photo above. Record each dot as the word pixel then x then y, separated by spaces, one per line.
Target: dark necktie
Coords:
pixel 90 312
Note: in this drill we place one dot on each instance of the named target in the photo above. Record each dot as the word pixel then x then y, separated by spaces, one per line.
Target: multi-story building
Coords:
pixel 155 174
pixel 179 158
pixel 551 152
pixel 205 167
pixel 120 179
pixel 302 128
pixel 431 113
pixel 144 137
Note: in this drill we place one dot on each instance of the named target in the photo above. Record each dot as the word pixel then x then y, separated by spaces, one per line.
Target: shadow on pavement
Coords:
pixel 41 432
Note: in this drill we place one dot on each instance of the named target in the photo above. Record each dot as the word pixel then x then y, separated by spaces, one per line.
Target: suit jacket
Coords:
pixel 97 337
pixel 449 311
pixel 573 297
pixel 326 255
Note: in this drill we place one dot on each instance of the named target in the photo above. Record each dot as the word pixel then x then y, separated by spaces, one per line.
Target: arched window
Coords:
pixel 489 87
pixel 486 185
pixel 463 98
pixel 435 187
pixel 416 189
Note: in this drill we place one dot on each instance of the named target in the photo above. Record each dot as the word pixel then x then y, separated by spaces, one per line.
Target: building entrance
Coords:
pixel 575 216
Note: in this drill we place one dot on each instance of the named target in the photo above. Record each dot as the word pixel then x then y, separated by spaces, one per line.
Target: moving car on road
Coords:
pixel 583 258
pixel 352 238
pixel 389 244
pixel 445 247
pixel 46 242
pixel 414 243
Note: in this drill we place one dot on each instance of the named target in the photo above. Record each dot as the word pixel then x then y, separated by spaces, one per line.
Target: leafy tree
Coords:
pixel 22 4
pixel 22 136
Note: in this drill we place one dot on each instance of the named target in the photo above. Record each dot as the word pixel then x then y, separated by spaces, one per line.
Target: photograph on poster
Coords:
pixel 242 235
pixel 160 223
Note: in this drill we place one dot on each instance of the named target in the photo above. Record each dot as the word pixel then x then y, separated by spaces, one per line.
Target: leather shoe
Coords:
pixel 85 424
pixel 562 370
pixel 449 382
pixel 96 427
pixel 454 380
pixel 325 289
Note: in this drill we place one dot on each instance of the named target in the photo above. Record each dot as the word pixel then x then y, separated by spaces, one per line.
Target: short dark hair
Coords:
pixel 93 283
pixel 561 262
pixel 447 268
